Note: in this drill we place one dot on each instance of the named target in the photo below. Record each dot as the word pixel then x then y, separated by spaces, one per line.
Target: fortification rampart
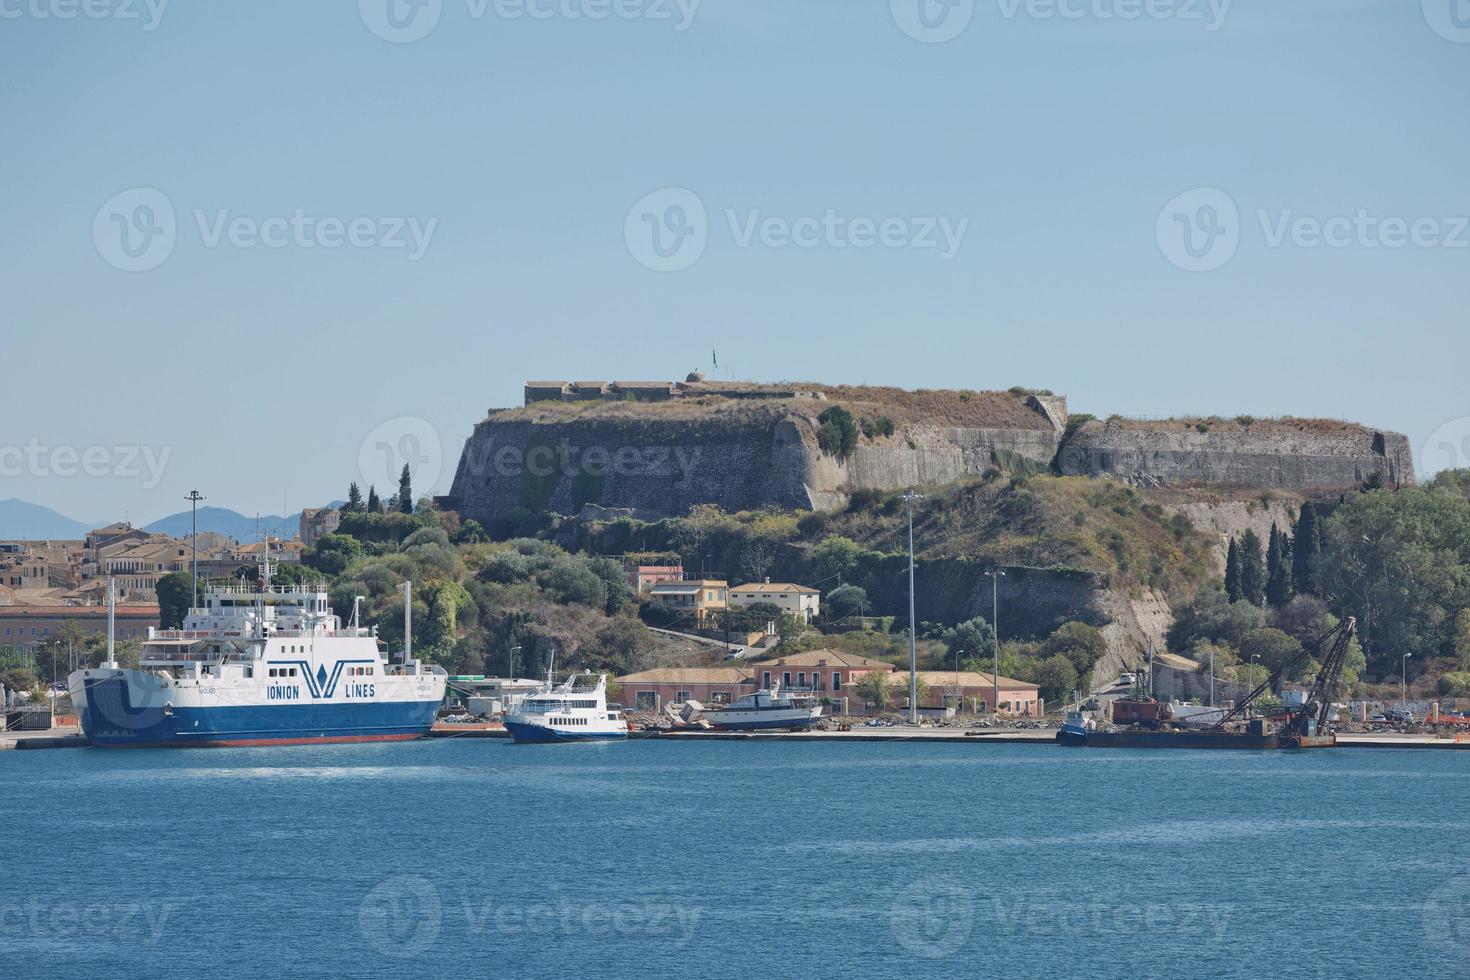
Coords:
pixel 1287 454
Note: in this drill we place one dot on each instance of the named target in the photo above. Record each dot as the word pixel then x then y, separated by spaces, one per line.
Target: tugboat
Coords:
pixel 258 665
pixel 766 709
pixel 571 712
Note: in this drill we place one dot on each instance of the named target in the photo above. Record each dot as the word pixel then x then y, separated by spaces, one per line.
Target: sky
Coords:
pixel 266 249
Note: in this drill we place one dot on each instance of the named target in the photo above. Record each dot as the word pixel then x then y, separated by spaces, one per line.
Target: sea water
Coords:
pixel 478 858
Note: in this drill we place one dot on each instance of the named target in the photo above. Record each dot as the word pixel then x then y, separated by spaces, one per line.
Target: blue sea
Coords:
pixel 476 858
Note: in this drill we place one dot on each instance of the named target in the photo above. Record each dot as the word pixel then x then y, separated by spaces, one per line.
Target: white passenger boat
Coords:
pixel 574 711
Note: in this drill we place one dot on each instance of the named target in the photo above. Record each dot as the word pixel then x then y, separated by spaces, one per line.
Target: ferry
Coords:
pixel 574 711
pixel 766 709
pixel 258 664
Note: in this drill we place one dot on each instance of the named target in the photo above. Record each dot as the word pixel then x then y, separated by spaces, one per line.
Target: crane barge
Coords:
pixel 1150 725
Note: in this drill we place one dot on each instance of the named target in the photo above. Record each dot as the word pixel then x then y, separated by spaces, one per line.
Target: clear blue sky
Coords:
pixel 261 370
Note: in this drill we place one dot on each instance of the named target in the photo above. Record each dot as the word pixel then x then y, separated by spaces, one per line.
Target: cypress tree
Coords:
pixel 374 505
pixel 1232 572
pixel 354 499
pixel 405 491
pixel 1306 550
pixel 1278 571
pixel 1252 569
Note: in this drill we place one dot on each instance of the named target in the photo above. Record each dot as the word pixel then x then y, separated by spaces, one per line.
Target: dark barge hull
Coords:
pixel 1143 739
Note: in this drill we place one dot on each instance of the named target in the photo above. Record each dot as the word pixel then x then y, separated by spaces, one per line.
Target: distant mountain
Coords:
pixel 23 520
pixel 221 520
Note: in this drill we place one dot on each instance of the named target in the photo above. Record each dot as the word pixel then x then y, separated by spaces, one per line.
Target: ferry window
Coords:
pixel 271 672
pixel 249 671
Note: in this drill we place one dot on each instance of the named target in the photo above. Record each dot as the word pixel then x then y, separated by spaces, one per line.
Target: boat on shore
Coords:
pixel 765 710
pixel 257 664
pixel 574 711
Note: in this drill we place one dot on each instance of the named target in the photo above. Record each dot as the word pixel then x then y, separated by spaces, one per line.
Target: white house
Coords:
pixel 796 600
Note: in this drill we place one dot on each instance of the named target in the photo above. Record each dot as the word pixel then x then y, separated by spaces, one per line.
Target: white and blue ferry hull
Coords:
pixel 129 709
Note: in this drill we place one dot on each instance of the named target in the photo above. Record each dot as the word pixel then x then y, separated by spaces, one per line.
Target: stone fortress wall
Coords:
pixel 654 449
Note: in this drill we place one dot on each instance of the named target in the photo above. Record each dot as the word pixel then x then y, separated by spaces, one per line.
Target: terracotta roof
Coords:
pixel 826 658
pixel 768 588
pixel 57 610
pixel 688 675
pixel 968 678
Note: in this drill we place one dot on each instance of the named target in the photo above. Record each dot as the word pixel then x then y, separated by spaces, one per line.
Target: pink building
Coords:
pixel 642 578
pixel 828 672
pixel 650 690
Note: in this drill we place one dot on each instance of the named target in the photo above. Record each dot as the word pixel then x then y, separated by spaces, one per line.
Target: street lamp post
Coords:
pixel 1404 674
pixel 996 574
pixel 910 497
pixel 194 498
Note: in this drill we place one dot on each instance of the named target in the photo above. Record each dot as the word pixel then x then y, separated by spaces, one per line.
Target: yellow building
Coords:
pixel 697 597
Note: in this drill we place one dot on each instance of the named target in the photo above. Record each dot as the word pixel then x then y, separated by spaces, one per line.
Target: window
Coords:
pixel 786 678
pixel 801 679
pixel 683 696
pixel 766 680
pixel 836 680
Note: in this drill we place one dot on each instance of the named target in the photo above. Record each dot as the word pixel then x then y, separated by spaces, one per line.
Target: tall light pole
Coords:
pixel 1212 676
pixel 1404 674
pixel 910 497
pixel 996 575
pixel 194 498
